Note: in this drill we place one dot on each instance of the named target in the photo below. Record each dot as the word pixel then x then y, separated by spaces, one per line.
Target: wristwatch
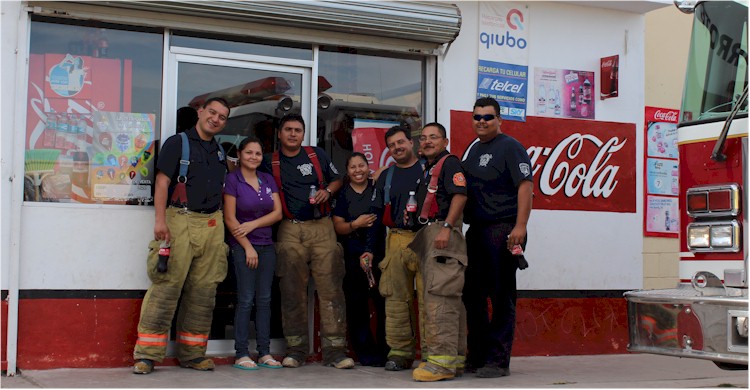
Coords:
pixel 329 191
pixel 447 225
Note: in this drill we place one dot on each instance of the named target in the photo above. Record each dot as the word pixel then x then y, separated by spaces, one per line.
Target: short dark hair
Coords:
pixel 292 117
pixel 440 127
pixel 486 101
pixel 221 101
pixel 394 130
pixel 356 154
pixel 249 140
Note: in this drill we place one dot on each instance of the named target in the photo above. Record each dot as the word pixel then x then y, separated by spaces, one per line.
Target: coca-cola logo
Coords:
pixel 575 172
pixel 665 116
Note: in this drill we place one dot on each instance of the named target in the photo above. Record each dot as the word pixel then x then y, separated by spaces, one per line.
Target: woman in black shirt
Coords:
pixel 356 219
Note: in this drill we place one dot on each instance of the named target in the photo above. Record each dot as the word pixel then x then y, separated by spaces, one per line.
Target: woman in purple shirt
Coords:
pixel 251 206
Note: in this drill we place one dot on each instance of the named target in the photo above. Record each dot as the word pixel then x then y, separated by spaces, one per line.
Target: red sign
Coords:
pixel 577 165
pixel 370 141
pixel 609 73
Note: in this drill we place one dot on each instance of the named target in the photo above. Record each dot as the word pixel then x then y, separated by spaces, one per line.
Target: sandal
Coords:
pixel 245 363
pixel 268 361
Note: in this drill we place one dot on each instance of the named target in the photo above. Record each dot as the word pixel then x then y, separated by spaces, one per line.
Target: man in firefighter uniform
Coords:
pixel 499 177
pixel 189 218
pixel 441 249
pixel 306 245
pixel 400 266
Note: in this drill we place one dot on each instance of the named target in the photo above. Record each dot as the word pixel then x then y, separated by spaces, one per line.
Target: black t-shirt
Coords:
pixel 450 182
pixel 206 172
pixel 403 181
pixel 297 175
pixel 349 205
pixel 494 170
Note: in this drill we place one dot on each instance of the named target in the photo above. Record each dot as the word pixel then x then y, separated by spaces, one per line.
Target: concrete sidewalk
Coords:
pixel 600 371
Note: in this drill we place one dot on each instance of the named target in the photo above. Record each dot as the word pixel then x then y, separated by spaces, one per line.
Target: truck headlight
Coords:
pixel 698 236
pixel 718 236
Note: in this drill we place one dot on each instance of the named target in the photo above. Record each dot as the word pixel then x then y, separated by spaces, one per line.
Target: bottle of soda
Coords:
pixel 164 252
pixel 411 210
pixel 517 251
pixel 311 198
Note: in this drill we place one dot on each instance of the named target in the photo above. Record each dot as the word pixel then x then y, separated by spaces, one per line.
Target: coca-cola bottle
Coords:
pixel 573 99
pixel 164 253
pixel 311 198
pixel 517 251
pixel 411 210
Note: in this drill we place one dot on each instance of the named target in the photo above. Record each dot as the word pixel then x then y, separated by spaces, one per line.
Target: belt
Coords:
pixel 296 221
pixel 199 211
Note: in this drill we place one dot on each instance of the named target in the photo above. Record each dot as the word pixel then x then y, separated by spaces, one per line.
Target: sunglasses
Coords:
pixel 486 117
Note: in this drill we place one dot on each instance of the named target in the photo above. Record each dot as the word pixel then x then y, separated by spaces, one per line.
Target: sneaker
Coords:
pixel 200 364
pixel 432 373
pixel 143 366
pixel 490 371
pixel 343 363
pixel 290 362
pixel 398 364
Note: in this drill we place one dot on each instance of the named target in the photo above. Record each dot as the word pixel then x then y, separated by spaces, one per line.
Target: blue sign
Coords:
pixel 507 84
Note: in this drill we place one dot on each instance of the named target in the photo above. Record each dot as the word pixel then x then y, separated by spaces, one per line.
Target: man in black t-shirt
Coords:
pixel 189 217
pixel 441 249
pixel 306 246
pixel 499 177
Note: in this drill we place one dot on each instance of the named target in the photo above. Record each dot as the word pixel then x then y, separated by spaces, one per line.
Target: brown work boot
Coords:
pixel 200 364
pixel 143 366
pixel 432 373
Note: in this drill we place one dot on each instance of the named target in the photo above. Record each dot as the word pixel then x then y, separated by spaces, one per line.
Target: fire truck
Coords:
pixel 706 315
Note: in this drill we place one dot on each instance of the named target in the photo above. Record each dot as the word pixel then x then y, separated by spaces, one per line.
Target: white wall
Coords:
pixel 569 249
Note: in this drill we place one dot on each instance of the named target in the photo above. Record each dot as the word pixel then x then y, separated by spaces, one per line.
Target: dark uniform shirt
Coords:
pixel 206 172
pixel 494 170
pixel 450 182
pixel 297 175
pixel 403 181
pixel 349 205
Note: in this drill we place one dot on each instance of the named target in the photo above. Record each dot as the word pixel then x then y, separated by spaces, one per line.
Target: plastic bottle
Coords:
pixel 411 210
pixel 62 131
pixel 572 100
pixel 587 90
pixel 541 100
pixel 164 252
pixel 48 141
pixel 311 198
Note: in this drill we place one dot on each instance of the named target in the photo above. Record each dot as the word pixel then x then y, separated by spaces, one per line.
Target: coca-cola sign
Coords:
pixel 656 114
pixel 577 165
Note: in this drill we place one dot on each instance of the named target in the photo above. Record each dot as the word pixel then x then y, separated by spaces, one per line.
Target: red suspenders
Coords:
pixel 325 208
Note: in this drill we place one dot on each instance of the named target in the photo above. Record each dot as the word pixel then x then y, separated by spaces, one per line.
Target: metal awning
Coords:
pixel 433 22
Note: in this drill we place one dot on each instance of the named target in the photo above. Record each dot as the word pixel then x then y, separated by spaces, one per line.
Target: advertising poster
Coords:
pixel 368 138
pixel 65 93
pixel 122 162
pixel 662 215
pixel 577 165
pixel 504 56
pixel 662 177
pixel 564 93
pixel 662 186
pixel 505 83
pixel 609 74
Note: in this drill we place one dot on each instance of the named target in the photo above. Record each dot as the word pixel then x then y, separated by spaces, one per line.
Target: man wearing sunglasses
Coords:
pixel 498 173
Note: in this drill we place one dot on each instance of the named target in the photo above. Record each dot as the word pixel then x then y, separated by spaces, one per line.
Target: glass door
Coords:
pixel 259 95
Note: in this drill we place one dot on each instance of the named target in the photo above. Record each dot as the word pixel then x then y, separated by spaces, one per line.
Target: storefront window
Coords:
pixel 362 95
pixel 236 45
pixel 93 114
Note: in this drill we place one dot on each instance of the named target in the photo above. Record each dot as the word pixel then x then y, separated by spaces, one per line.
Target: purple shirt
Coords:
pixel 252 204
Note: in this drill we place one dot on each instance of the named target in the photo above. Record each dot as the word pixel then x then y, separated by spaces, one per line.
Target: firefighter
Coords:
pixel 400 266
pixel 306 245
pixel 499 177
pixel 191 220
pixel 441 248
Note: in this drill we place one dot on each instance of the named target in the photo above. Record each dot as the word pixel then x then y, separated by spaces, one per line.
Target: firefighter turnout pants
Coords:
pixel 443 281
pixel 198 263
pixel 400 272
pixel 304 249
